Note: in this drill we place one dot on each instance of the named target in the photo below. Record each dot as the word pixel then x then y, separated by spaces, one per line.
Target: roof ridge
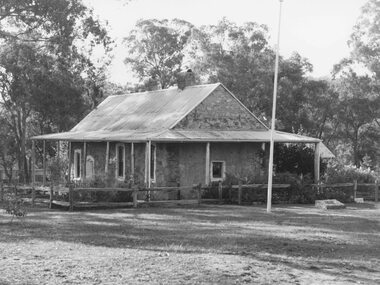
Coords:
pixel 163 90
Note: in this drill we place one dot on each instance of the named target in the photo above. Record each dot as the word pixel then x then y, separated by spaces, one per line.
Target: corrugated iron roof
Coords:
pixel 180 136
pixel 150 115
pixel 153 110
pixel 211 135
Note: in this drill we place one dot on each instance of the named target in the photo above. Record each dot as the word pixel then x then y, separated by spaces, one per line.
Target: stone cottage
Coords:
pixel 187 135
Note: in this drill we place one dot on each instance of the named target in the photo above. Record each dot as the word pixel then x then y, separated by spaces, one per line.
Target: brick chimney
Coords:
pixel 185 79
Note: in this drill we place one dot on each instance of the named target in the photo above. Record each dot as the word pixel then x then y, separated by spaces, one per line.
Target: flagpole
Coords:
pixel 271 150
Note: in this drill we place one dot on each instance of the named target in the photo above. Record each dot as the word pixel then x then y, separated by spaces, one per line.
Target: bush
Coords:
pixel 301 190
pixel 337 172
pixel 103 181
pixel 57 168
pixel 15 207
pixel 295 158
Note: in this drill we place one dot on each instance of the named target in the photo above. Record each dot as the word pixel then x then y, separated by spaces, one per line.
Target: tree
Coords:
pixel 241 58
pixel 237 56
pixel 8 149
pixel 358 110
pixel 56 22
pixel 366 37
pixel 292 86
pixel 33 87
pixel 155 50
pixel 321 103
pixel 43 58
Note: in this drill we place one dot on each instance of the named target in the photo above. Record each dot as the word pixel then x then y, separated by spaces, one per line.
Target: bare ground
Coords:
pixel 210 244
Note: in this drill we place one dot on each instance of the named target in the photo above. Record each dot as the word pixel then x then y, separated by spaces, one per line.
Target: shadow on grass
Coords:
pixel 291 234
pixel 296 232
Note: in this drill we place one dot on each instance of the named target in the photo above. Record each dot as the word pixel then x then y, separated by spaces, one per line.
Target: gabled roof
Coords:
pixel 153 110
pixel 152 115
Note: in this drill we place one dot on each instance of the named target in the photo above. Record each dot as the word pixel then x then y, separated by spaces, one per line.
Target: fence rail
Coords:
pixel 196 188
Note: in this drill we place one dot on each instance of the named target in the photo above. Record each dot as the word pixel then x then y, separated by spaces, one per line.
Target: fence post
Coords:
pixel 377 191
pixel 178 192
pixel 134 195
pixel 220 192
pixel 71 197
pixel 33 195
pixel 51 196
pixel 199 190
pixel 355 188
pixel 239 192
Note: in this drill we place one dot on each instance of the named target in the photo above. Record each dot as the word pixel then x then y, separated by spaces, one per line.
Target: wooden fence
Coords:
pixel 198 189
pixel 354 186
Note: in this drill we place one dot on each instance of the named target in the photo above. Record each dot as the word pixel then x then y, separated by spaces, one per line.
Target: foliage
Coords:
pixel 366 36
pixel 45 67
pixel 104 181
pixel 295 158
pixel 55 23
pixel 357 113
pixel 8 149
pixel 355 79
pixel 337 172
pixel 16 208
pixel 103 196
pixel 57 167
pixel 156 51
pixel 237 56
pixel 241 58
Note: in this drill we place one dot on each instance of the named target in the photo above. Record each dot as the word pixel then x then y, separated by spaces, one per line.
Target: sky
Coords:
pixel 316 29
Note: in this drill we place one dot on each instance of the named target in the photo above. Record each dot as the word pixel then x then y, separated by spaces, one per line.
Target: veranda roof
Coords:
pixel 180 136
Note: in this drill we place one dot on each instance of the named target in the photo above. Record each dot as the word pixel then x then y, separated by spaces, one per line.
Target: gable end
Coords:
pixel 221 110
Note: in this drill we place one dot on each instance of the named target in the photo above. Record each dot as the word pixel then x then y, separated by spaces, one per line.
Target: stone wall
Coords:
pixel 241 159
pixel 220 111
pixel 181 163
pixel 97 150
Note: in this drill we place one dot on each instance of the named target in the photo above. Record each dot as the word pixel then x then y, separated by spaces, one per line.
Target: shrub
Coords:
pixel 103 181
pixel 16 208
pixel 339 173
pixel 295 158
pixel 57 168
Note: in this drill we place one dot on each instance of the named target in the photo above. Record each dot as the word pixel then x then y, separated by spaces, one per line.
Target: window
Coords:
pixel 120 161
pixel 90 171
pixel 77 163
pixel 153 162
pixel 218 169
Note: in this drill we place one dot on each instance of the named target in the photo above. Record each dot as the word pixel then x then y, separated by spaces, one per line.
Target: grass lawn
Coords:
pixel 210 244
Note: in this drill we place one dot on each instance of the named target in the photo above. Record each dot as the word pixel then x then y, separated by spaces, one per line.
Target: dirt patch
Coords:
pixel 216 244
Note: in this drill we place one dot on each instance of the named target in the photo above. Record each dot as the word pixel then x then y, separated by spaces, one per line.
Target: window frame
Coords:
pixel 212 178
pixel 90 158
pixel 118 145
pixel 77 164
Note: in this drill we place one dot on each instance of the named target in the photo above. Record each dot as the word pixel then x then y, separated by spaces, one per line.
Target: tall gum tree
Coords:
pixel 45 52
pixel 240 57
pixel 155 51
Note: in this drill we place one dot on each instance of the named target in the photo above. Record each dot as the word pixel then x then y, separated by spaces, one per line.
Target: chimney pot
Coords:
pixel 185 79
